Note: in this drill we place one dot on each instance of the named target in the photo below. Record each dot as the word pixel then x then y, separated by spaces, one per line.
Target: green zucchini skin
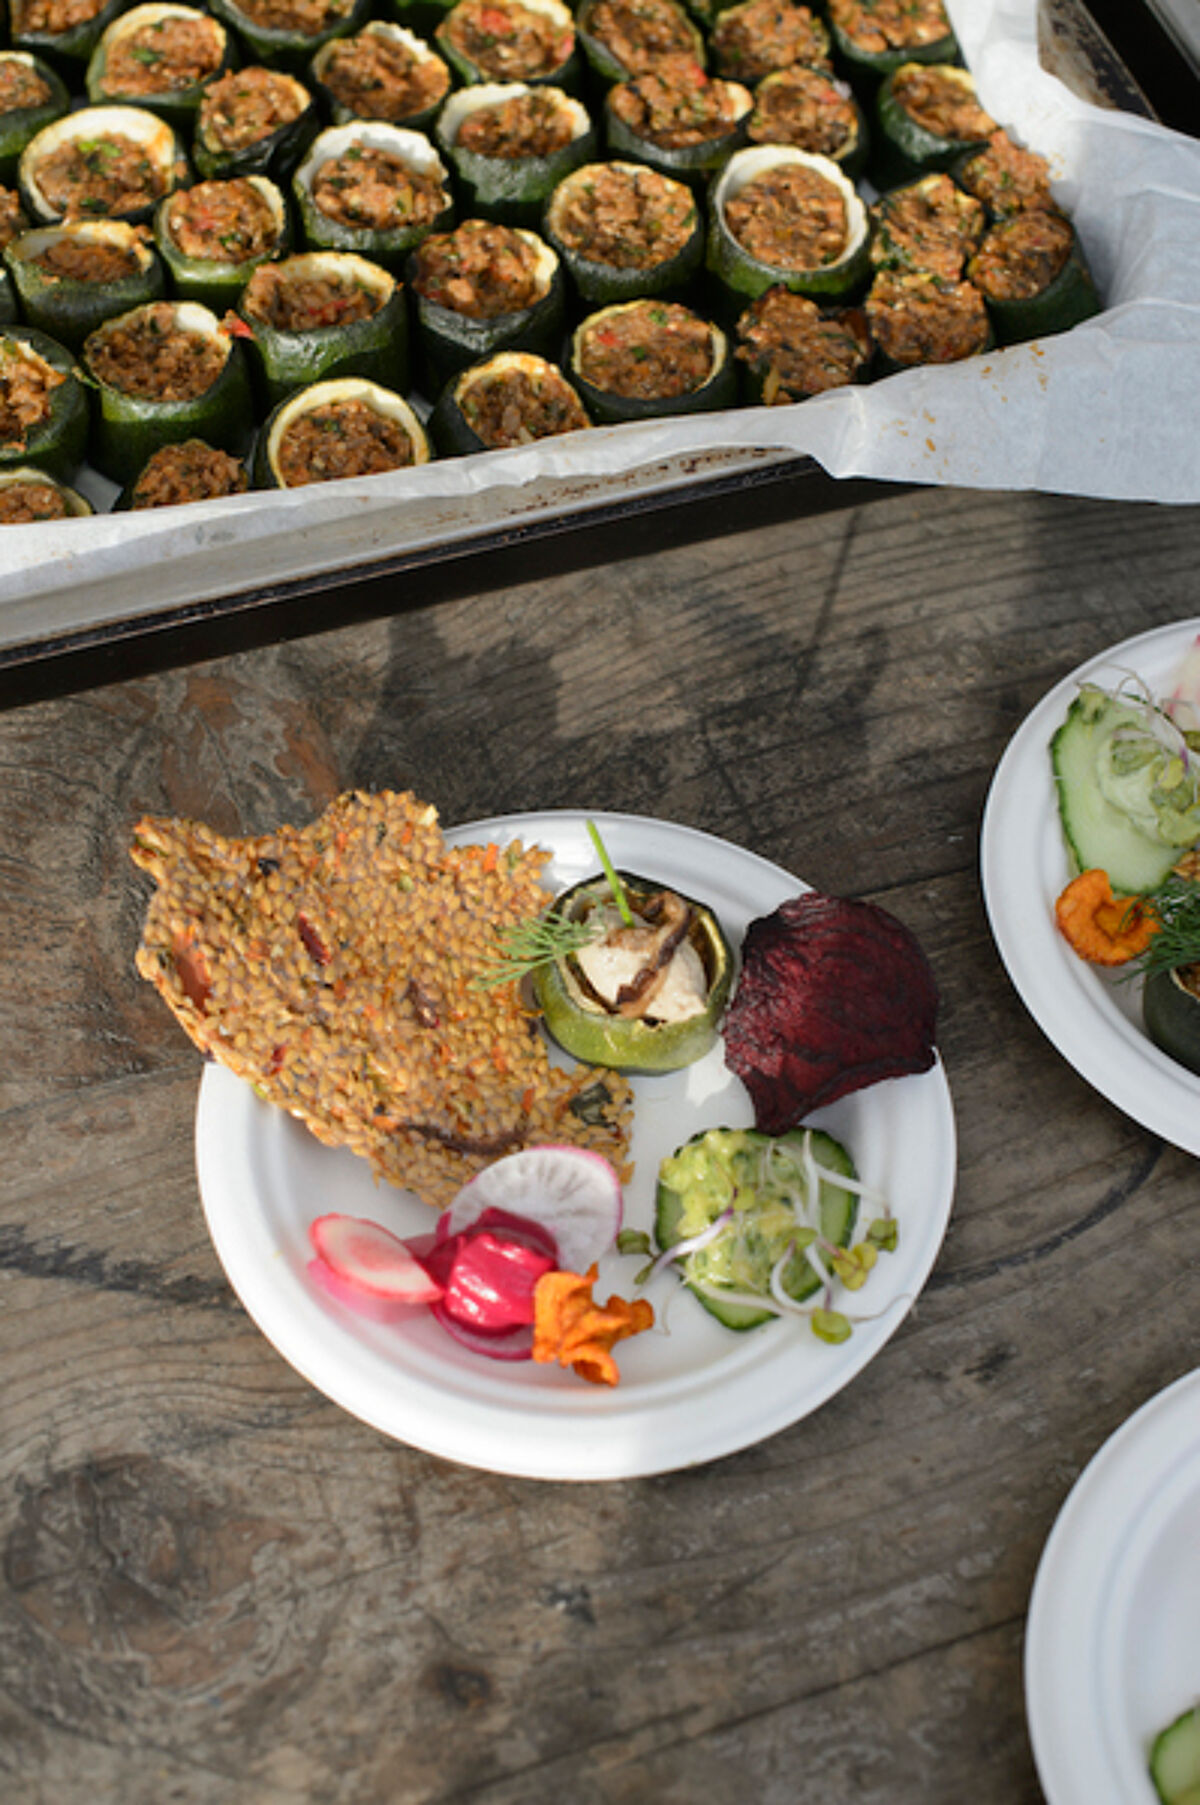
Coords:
pixel 866 69
pixel 9 311
pixel 283 361
pixel 178 106
pixel 567 74
pixel 851 156
pixel 695 164
pixel 214 283
pixel 448 342
pixel 77 505
pixel 390 246
pixel 24 123
pixel 275 156
pixel 291 51
pixel 903 150
pixel 602 284
pixel 741 277
pixel 127 429
pixel 1172 1016
pixel 67 51
pixel 449 428
pixel 605 67
pixel 58 443
pixel 338 113
pixel 720 390
pixel 264 470
pixel 124 504
pixel 1065 302
pixel 421 16
pixel 512 191
pixel 68 310
pixel 161 143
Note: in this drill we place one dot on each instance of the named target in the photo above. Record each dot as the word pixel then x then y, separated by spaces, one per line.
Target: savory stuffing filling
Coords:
pixel 806 108
pixel 297 296
pixel 21 86
pixel 790 217
pixel 27 385
pixel 942 101
pixel 507 41
pixel 675 105
pixel 247 106
pixel 376 190
pixel 74 257
pixel 627 217
pixel 223 222
pixel 1006 178
pixel 55 16
pixel 1021 256
pixel 308 18
pixel 102 177
pixel 480 270
pixel 341 438
pixel 192 471
pixel 163 56
pixel 795 350
pixel 535 124
pixel 376 76
pixel 519 404
pixel 649 350
pixel 922 319
pixel 877 26
pixel 639 33
pixel 23 502
pixel 931 225
pixel 12 216
pixel 751 40
pixel 148 354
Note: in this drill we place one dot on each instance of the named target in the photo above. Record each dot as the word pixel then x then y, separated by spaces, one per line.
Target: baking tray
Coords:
pixel 538 530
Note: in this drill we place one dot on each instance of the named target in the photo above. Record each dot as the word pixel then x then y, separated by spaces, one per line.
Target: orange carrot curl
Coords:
pixel 1100 927
pixel 570 1327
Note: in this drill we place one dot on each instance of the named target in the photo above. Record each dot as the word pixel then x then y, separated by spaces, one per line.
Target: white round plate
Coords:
pixel 686 1396
pixel 1093 1019
pixel 1112 1646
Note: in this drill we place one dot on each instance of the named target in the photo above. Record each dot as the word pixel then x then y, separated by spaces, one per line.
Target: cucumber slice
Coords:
pixel 758 1173
pixel 1175 1760
pixel 1097 833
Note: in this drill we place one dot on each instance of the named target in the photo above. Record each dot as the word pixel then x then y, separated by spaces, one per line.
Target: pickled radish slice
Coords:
pixel 369 1258
pixel 573 1194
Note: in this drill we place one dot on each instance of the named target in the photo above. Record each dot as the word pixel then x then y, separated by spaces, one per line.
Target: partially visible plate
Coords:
pixel 1093 1019
pixel 690 1395
pixel 1112 1646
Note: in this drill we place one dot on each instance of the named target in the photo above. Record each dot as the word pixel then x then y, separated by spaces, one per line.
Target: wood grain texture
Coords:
pixel 216 1585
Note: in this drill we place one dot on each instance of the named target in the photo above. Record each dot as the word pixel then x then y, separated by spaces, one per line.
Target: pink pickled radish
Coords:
pixel 371 1260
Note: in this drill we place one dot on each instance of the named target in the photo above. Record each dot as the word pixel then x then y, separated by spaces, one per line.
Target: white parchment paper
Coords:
pixel 1110 409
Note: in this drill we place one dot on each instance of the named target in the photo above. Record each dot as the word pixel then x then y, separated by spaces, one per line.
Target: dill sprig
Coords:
pixel 1176 907
pixel 527 944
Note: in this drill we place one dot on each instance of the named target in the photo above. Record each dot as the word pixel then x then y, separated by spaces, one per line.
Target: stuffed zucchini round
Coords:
pixel 101 163
pixel 781 215
pixel 931 225
pixel 383 72
pixel 509 146
pixel 43 404
pixel 755 38
pixel 511 40
pixel 32 94
pixel 253 121
pixel 677 120
pixel 175 475
pixel 513 398
pixel 323 314
pixel 28 495
pixel 623 39
pixel 920 318
pixel 927 118
pixel 62 32
pixel 808 108
pixel 1171 1010
pixel 873 37
pixel 213 237
pixel 646 998
pixel 73 277
pixel 641 359
pixel 373 188
pixel 623 230
pixel 164 373
pixel 1033 276
pixel 480 289
pixel 159 55
pixel 286 34
pixel 791 350
pixel 346 427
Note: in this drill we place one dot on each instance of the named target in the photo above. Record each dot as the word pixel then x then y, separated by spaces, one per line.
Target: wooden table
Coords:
pixel 219 1587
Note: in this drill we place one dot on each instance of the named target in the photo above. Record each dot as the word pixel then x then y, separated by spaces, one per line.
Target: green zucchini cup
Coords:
pixel 512 189
pixel 740 274
pixel 1171 1011
pixel 789 349
pixel 37 95
pixel 187 471
pixel 576 1015
pixel 677 362
pixel 708 125
pixel 917 318
pixel 755 37
pixel 660 257
pixel 161 165
pixel 905 146
pixel 142 40
pixel 218 281
pixel 869 52
pixel 68 50
pixel 448 339
pixel 48 265
pixel 55 442
pixel 814 111
pixel 288 357
pixel 524 387
pixel 292 44
pixel 28 494
pixel 673 32
pixel 270 469
pixel 131 421
pixel 478 50
pixel 1034 277
pixel 386 244
pixel 220 150
pixel 340 74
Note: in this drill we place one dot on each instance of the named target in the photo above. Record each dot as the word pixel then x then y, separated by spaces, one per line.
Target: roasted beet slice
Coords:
pixel 834 995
